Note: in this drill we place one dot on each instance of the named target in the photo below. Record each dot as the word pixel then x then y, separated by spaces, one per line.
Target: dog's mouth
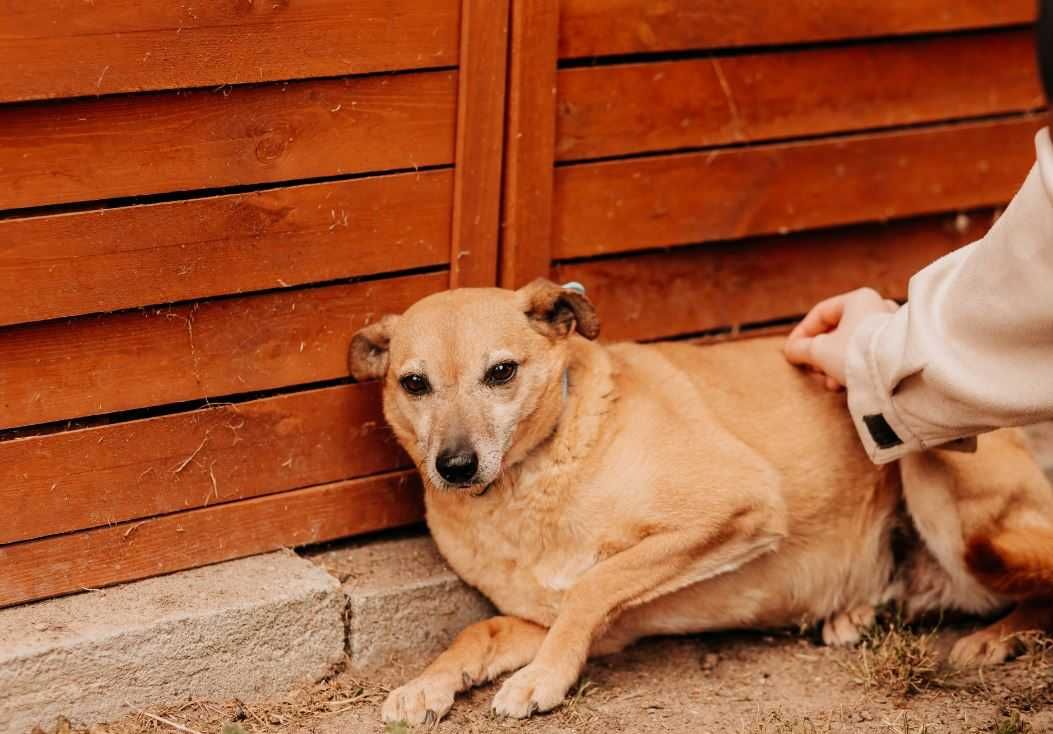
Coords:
pixel 480 489
pixel 471 489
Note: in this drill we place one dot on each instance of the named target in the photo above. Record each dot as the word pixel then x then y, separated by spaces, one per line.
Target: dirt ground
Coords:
pixel 741 683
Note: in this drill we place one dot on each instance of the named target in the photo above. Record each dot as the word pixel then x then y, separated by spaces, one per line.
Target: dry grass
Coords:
pixel 329 698
pixel 778 723
pixel 1011 724
pixel 900 661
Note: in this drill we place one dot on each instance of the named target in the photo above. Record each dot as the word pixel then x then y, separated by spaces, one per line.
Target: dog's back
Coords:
pixel 778 411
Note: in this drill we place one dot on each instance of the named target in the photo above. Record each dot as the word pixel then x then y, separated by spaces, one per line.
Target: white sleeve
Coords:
pixel 972 350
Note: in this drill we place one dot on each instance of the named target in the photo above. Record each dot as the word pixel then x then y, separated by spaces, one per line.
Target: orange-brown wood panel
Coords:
pixel 61 482
pixel 100 364
pixel 58 48
pixel 526 241
pixel 59 152
pixel 606 27
pixel 730 193
pixel 93 558
pixel 691 290
pixel 110 259
pixel 480 143
pixel 633 108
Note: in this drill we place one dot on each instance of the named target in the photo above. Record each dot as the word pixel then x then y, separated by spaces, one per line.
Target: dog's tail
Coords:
pixel 1017 563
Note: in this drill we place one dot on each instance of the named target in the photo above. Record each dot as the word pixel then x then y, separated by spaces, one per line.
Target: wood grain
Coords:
pixel 660 295
pixel 480 143
pixel 724 194
pixel 633 108
pixel 526 239
pixel 95 558
pixel 110 259
pixel 62 482
pixel 58 48
pixel 101 364
pixel 608 27
pixel 89 150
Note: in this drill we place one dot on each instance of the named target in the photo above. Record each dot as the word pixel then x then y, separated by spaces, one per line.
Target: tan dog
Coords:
pixel 599 494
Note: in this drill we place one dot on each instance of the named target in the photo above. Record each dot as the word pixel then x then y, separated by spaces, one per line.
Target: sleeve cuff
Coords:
pixel 885 436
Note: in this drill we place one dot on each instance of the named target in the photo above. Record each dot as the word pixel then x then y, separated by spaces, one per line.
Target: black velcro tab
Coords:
pixel 881 431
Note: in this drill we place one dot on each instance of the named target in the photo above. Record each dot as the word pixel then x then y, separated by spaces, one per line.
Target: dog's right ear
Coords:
pixel 368 355
pixel 556 311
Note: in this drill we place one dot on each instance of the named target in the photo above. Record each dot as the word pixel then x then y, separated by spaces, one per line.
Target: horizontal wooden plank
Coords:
pixel 110 259
pixel 88 150
pixel 101 364
pixel 632 108
pixel 57 48
pixel 94 558
pixel 725 194
pixel 62 482
pixel 609 27
pixel 696 289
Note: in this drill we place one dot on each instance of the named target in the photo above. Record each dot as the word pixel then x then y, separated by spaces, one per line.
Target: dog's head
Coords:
pixel 474 378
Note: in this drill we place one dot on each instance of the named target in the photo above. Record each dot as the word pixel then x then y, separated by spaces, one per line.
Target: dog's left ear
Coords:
pixel 556 311
pixel 368 355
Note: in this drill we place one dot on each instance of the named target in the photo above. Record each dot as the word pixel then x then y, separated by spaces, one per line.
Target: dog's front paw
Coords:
pixel 421 701
pixel 532 689
pixel 986 647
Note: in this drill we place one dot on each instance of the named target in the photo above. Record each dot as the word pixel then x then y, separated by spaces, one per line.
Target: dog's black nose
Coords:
pixel 457 467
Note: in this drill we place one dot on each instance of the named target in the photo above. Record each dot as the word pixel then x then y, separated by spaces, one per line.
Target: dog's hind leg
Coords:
pixel 1018 564
pixel 847 628
pixel 479 654
pixel 988 519
pixel 618 635
pixel 998 642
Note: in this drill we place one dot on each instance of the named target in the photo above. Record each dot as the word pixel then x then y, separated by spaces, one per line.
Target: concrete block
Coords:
pixel 404 602
pixel 247 629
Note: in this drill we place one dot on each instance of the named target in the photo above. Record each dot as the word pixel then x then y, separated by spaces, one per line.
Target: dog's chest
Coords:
pixel 521 559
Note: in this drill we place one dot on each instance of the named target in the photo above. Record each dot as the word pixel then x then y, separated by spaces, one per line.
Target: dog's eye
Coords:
pixel 501 373
pixel 415 385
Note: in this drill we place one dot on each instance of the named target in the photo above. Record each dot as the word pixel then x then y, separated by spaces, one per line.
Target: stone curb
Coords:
pixel 244 629
pixel 404 602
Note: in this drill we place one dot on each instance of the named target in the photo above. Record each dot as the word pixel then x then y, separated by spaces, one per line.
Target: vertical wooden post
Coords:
pixel 526 242
pixel 480 142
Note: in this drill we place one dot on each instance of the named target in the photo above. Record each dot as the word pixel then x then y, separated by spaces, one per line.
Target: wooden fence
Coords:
pixel 199 204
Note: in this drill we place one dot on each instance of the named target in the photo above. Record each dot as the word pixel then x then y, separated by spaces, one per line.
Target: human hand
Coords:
pixel 821 340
